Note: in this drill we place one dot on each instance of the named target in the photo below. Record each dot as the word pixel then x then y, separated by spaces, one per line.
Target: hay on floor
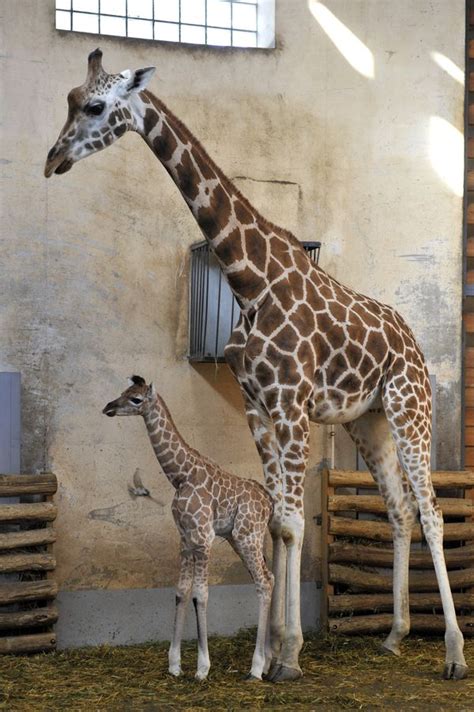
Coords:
pixel 340 673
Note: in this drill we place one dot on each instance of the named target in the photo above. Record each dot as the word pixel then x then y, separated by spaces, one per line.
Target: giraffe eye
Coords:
pixel 136 401
pixel 95 109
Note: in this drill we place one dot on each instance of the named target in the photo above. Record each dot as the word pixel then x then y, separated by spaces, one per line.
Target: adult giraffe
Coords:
pixel 305 348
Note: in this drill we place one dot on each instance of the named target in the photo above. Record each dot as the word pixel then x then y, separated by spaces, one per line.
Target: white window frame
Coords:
pixel 73 12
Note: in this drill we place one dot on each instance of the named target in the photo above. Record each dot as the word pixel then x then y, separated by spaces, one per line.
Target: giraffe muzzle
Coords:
pixel 109 410
pixel 57 163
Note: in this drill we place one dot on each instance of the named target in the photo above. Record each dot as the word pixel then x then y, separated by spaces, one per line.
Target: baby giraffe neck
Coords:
pixel 170 448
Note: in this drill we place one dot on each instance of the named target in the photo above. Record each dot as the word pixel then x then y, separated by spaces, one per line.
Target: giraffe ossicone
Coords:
pixel 306 348
pixel 208 502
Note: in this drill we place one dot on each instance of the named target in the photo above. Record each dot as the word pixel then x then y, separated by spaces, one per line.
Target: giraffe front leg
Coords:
pixel 183 592
pixel 276 627
pixel 200 597
pixel 292 430
pixel 263 433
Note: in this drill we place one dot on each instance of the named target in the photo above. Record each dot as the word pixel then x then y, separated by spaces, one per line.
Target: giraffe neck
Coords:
pixel 237 234
pixel 170 449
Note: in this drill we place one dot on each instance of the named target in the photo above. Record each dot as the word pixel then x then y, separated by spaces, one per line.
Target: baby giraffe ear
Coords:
pixel 137 81
pixel 151 392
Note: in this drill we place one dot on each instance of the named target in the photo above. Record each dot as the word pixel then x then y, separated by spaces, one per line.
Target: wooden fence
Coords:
pixel 357 556
pixel 27 609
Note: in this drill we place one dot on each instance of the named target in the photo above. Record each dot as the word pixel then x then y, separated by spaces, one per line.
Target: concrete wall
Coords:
pixel 94 263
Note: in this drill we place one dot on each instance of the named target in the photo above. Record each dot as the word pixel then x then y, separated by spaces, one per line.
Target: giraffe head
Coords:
pixel 134 400
pixel 99 112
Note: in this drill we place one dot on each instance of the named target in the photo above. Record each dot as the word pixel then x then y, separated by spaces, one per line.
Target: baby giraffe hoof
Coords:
pixel 252 678
pixel 283 673
pixel 454 671
pixel 174 671
pixel 201 675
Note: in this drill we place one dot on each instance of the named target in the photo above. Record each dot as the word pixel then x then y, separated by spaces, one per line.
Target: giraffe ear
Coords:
pixel 137 81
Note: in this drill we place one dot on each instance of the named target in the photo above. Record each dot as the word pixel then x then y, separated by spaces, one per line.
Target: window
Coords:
pixel 225 23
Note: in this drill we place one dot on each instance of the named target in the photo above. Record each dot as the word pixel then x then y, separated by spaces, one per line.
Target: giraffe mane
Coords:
pixel 280 231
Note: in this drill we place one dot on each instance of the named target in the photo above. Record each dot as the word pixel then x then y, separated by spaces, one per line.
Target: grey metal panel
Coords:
pixel 129 616
pixel 10 422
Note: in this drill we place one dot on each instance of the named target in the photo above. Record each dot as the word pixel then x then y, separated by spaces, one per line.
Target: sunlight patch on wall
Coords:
pixel 448 66
pixel 352 49
pixel 446 144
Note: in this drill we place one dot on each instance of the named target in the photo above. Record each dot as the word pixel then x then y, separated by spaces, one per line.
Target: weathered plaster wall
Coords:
pixel 93 270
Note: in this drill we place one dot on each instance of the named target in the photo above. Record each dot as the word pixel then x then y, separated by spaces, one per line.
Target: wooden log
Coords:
pixel 16 485
pixel 442 479
pixel 382 531
pixel 27 591
pixel 469 416
pixel 34 618
pixel 469 251
pixel 469 452
pixel 376 581
pixel 355 602
pixel 356 625
pixel 470 174
pixel 346 552
pixel 346 602
pixel 27 643
pixel 28 537
pixel 326 539
pixel 450 507
pixel 26 562
pixel 31 511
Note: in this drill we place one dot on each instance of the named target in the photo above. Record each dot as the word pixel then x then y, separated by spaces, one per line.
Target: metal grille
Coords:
pixel 213 309
pixel 227 23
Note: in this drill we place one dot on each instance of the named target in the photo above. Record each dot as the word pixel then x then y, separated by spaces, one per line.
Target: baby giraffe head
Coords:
pixel 99 112
pixel 135 400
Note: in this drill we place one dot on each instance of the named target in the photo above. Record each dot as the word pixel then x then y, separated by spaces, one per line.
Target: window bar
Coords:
pixel 179 21
pixel 232 315
pixel 207 298
pixel 201 300
pixel 126 18
pixel 153 19
pixel 218 314
pixel 98 17
pixel 192 310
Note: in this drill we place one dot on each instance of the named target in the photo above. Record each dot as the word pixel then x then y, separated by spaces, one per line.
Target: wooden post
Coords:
pixel 326 540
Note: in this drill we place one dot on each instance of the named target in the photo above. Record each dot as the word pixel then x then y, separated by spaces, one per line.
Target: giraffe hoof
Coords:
pixel 283 673
pixel 274 665
pixel 252 678
pixel 390 649
pixel 454 671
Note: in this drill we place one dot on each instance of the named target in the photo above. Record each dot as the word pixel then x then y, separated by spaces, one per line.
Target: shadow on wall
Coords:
pixel 222 381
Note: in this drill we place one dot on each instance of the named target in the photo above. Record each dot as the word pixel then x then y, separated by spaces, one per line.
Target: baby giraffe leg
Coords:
pixel 200 596
pixel 250 550
pixel 183 592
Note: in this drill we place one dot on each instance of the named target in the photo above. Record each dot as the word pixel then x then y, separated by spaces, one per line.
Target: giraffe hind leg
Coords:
pixel 410 421
pixel 371 433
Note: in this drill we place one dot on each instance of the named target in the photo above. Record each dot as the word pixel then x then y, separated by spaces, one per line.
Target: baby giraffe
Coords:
pixel 208 503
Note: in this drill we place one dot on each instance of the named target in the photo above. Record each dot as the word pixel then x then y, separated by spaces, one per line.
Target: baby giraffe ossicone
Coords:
pixel 209 502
